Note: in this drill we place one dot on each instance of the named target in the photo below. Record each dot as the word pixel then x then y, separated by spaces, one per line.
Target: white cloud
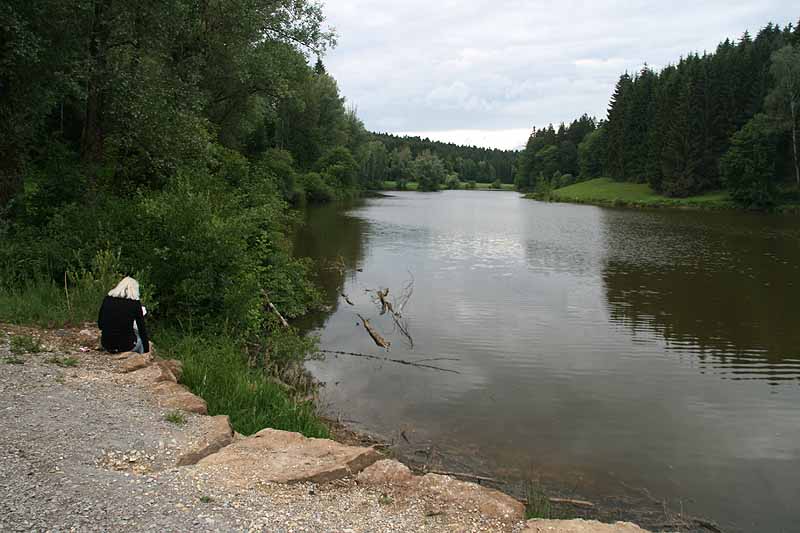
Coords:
pixel 505 65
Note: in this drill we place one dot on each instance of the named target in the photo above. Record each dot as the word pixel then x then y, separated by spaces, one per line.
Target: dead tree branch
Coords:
pixel 379 340
pixel 387 359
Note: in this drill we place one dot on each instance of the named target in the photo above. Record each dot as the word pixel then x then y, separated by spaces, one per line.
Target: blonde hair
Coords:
pixel 127 288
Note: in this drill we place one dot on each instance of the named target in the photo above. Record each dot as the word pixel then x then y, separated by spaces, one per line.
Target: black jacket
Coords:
pixel 116 322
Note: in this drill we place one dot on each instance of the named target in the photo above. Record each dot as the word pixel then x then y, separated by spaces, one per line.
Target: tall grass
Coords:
pixel 215 369
pixel 43 302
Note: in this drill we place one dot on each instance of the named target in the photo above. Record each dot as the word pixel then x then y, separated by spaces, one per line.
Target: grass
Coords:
pixel 215 369
pixel 44 303
pixel 206 499
pixel 25 344
pixel 605 191
pixel 176 417
pixel 537 504
pixel 64 362
pixel 12 360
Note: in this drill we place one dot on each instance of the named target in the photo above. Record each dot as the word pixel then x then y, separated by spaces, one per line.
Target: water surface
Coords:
pixel 600 350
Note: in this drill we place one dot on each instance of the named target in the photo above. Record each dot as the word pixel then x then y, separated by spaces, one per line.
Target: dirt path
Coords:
pixel 85 447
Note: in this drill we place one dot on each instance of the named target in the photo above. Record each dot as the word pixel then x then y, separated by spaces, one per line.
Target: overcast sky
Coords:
pixel 484 72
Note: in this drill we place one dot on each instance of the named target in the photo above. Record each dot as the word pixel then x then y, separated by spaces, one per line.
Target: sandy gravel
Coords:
pixel 81 449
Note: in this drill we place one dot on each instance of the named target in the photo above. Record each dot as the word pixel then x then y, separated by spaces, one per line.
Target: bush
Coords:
pixel 315 189
pixel 471 184
pixel 452 182
pixel 497 184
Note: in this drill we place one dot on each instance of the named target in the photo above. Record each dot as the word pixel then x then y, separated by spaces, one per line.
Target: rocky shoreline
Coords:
pixel 116 443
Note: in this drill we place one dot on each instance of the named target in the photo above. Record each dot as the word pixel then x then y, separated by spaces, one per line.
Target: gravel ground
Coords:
pixel 81 449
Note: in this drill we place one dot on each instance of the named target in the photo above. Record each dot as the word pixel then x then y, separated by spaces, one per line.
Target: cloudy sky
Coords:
pixel 483 72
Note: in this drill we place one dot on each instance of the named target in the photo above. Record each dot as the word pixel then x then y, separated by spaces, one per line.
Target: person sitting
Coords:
pixel 120 311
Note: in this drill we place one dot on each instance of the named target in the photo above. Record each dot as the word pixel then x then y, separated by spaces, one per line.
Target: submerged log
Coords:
pixel 379 340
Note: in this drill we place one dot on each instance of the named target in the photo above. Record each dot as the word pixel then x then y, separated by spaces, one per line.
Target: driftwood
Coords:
pixel 386 305
pixel 387 359
pixel 346 299
pixel 569 501
pixel 275 309
pixel 380 341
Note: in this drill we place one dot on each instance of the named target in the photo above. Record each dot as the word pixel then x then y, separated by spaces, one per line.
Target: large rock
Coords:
pixel 216 434
pixel 172 366
pixel 386 472
pixel 579 526
pixel 155 373
pixel 174 396
pixel 488 501
pixel 284 457
pixel 134 363
pixel 444 490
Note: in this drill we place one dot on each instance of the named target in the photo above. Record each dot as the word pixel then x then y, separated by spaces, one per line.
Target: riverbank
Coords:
pixel 413 186
pixel 93 442
pixel 610 193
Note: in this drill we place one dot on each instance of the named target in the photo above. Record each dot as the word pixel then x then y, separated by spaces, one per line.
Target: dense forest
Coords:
pixel 173 135
pixel 726 119
pixel 470 163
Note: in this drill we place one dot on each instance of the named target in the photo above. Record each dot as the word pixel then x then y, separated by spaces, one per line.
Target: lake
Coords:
pixel 620 356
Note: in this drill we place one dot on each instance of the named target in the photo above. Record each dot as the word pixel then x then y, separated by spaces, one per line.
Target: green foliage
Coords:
pixel 748 168
pixel 452 182
pixel 469 162
pixel 316 190
pixel 429 171
pixel 471 184
pixel 213 368
pixel 497 184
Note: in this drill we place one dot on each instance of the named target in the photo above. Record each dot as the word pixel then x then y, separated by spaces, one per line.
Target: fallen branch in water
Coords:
pixel 387 359
pixel 346 299
pixel 275 309
pixel 380 341
pixel 569 501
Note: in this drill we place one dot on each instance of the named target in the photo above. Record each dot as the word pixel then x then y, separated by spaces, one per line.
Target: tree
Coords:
pixel 373 162
pixel 429 171
pixel 748 168
pixel 784 99
pixel 616 128
pixel 592 154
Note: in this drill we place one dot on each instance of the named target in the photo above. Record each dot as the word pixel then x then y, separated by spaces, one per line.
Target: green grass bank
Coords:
pixel 607 192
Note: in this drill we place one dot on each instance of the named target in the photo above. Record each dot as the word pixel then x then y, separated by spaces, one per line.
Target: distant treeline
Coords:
pixel 727 119
pixel 470 163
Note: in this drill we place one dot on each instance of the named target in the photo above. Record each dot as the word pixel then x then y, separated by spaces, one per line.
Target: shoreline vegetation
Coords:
pixel 606 192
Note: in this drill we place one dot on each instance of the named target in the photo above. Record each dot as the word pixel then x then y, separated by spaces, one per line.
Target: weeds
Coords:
pixel 14 361
pixel 206 499
pixel 537 502
pixel 176 417
pixel 64 362
pixel 25 344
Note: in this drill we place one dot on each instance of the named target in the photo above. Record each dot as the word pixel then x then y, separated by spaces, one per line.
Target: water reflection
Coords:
pixel 585 338
pixel 720 287
pixel 335 242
